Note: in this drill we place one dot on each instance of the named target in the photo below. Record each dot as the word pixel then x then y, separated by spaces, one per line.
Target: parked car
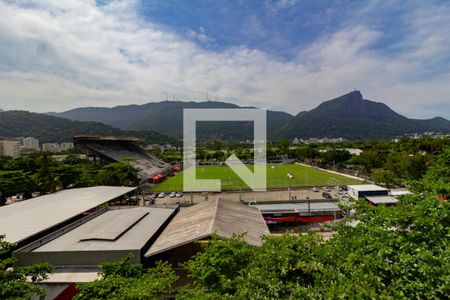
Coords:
pixel 314 189
pixel 327 189
pixel 162 195
pixel 173 194
pixel 151 200
pixel 179 194
pixel 326 195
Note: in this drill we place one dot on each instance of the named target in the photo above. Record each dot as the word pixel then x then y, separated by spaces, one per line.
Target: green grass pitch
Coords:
pixel 303 176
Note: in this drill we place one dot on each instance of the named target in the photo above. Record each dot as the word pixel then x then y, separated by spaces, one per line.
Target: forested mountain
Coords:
pixel 54 129
pixel 352 117
pixel 167 117
pixel 348 116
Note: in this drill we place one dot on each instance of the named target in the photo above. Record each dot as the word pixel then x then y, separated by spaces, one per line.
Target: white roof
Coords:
pixel 366 187
pixel 114 230
pixel 381 199
pixel 24 219
pixel 399 192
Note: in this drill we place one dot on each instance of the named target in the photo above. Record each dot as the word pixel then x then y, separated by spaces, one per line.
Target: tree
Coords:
pixel 335 157
pixel 68 175
pixel 392 252
pixel 220 266
pixel 437 178
pixel 384 177
pixel 124 280
pixel 283 146
pixel 14 281
pixel 45 178
pixel 72 159
pixel 14 182
pixel 117 174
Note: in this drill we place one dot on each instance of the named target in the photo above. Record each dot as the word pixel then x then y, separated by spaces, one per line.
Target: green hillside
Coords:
pixel 54 129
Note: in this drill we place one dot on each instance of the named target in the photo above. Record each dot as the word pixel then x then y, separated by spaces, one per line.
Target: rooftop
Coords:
pixel 78 138
pixel 381 199
pixel 297 207
pixel 114 230
pixel 367 187
pixel 22 220
pixel 222 216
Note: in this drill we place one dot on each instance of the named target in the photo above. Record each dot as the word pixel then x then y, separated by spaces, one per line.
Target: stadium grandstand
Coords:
pixel 104 149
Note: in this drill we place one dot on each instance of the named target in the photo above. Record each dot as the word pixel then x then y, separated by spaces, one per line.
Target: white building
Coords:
pixel 354 151
pixel 30 143
pixel 363 190
pixel 51 147
pixel 10 148
pixel 66 146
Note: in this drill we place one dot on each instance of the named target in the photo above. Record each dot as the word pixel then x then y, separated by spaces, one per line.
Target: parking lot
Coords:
pixel 268 196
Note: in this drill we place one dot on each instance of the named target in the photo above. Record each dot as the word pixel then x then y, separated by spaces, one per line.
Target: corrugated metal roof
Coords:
pixel 138 232
pixel 24 219
pixel 222 216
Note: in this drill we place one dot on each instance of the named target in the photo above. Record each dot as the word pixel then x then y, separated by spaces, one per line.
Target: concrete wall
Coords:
pixel 74 258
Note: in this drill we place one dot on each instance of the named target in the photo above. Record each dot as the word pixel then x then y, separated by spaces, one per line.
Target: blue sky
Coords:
pixel 275 27
pixel 288 55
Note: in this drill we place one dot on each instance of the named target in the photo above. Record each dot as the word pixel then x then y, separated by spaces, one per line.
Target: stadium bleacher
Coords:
pixel 118 149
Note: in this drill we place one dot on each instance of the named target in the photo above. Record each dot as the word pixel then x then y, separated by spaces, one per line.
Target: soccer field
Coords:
pixel 303 176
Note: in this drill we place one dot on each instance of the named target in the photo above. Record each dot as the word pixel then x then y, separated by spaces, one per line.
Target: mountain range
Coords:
pixel 55 129
pixel 167 117
pixel 349 116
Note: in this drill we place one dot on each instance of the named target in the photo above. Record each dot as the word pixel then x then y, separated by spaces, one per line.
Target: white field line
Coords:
pixel 333 172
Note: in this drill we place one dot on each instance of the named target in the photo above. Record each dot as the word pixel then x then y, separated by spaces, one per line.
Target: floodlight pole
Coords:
pixel 289 189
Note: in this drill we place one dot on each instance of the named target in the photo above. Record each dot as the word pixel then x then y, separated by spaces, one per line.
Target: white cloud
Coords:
pixel 57 55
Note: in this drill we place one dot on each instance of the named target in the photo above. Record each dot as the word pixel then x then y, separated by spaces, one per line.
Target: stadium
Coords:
pixel 105 149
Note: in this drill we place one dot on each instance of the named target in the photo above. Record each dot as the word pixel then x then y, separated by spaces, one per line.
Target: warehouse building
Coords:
pixel 362 190
pixel 177 243
pixel 303 212
pixel 77 229
pixel 110 236
pixel 32 219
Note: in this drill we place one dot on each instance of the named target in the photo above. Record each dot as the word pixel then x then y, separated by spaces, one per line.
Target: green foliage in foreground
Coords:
pixel 393 253
pixel 124 280
pixel 13 280
pixel 399 252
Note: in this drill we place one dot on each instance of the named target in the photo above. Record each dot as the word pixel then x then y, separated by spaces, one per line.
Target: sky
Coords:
pixel 283 54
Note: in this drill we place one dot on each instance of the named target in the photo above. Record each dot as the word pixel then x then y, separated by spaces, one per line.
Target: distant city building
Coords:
pixel 296 141
pixel 354 151
pixel 10 148
pixel 66 146
pixel 20 140
pixel 30 143
pixel 324 140
pixel 51 147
